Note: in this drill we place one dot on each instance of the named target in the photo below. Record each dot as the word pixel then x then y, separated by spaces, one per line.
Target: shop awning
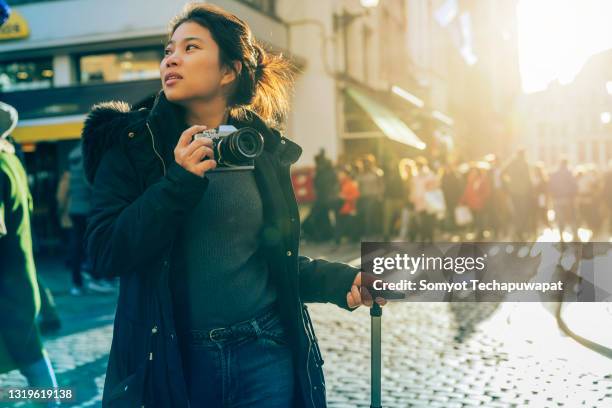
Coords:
pixel 78 99
pixel 49 130
pixel 390 125
pixel 54 114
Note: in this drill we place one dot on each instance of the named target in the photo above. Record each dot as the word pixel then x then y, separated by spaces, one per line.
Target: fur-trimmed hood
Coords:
pixel 102 129
pixel 109 121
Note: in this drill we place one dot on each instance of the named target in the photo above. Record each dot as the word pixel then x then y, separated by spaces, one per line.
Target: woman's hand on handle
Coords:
pixel 359 294
pixel 190 154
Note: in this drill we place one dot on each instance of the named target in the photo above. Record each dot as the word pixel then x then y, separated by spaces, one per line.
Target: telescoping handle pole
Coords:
pixel 375 362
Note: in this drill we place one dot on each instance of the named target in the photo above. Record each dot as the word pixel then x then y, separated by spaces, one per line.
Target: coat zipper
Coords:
pixel 166 281
pixel 155 149
pixel 149 369
pixel 153 333
pixel 308 359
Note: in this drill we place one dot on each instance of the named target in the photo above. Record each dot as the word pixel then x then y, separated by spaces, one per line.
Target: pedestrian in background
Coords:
pixel 588 197
pixel 393 197
pixel 475 197
pixel 517 177
pixel 371 188
pixel 19 295
pixel 452 185
pixel 61 197
pixel 408 223
pixel 74 200
pixel 347 213
pixel 498 209
pixel 318 226
pixel 540 185
pixel 563 189
pixel 424 181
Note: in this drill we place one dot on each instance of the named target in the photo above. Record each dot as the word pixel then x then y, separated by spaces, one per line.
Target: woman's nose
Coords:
pixel 172 60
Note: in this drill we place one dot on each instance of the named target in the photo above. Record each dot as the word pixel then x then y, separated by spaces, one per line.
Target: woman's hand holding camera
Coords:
pixel 190 154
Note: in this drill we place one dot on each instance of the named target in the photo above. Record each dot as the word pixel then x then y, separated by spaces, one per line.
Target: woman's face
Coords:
pixel 191 69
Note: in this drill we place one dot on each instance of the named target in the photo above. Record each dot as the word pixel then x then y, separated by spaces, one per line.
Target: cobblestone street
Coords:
pixel 429 361
pixel 434 354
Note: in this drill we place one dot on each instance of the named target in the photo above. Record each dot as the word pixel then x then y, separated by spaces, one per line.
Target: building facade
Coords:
pixel 574 120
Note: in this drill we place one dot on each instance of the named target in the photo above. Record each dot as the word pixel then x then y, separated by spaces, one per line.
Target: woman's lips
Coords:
pixel 172 81
pixel 172 78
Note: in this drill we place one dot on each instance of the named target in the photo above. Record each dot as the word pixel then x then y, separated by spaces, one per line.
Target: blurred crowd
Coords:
pixel 410 199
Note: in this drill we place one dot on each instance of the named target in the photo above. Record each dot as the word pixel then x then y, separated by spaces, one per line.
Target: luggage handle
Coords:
pixel 375 356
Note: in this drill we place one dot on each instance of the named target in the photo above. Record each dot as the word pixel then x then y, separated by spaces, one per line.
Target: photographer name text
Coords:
pixel 473 284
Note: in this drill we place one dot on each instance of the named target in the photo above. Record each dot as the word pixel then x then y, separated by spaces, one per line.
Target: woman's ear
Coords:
pixel 232 73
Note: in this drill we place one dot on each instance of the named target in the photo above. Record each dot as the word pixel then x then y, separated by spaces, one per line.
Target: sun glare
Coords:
pixel 556 38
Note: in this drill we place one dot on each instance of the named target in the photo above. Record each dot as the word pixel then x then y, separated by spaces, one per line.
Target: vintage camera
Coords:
pixel 235 149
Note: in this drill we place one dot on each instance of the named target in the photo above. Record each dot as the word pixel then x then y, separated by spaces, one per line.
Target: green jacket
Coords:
pixel 19 296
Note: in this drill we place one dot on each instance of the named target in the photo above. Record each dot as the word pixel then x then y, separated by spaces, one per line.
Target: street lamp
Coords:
pixel 369 3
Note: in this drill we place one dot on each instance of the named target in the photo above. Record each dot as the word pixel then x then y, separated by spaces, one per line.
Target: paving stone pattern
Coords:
pixel 429 361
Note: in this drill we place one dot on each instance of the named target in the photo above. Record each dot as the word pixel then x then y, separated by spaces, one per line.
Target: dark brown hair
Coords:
pixel 263 85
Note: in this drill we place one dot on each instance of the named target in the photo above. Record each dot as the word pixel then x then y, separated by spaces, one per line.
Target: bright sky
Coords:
pixel 556 38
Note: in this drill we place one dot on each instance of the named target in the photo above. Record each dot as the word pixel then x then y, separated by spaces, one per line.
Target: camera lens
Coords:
pixel 241 146
pixel 248 144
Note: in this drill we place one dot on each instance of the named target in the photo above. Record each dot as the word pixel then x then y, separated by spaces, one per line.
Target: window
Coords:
pixel 541 130
pixel 26 74
pixel 581 153
pixel 608 145
pixel 266 6
pixel 120 66
pixel 595 152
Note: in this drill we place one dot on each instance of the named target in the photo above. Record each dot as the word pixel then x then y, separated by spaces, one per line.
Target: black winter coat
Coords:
pixel 140 197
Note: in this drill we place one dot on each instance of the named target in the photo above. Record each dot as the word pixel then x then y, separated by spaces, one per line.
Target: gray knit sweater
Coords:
pixel 220 276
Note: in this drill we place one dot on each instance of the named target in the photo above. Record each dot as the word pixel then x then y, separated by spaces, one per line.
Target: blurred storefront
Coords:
pixel 60 57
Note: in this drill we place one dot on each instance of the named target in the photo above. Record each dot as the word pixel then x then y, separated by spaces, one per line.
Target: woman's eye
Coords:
pixel 190 46
pixel 167 52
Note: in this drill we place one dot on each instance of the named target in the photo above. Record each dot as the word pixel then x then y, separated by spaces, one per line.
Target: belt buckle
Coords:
pixel 212 332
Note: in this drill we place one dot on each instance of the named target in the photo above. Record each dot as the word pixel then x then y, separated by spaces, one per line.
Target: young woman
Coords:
pixel 210 309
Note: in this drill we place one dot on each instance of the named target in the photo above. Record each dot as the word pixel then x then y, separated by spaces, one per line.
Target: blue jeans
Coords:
pixel 251 369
